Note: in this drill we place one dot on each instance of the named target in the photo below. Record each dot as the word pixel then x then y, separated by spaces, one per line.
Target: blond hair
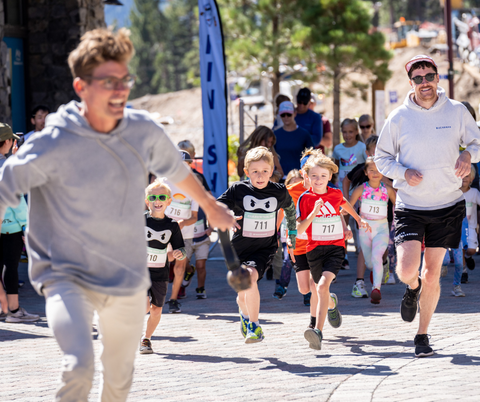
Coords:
pixel 258 154
pixel 293 174
pixel 158 183
pixel 99 46
pixel 322 161
pixel 186 145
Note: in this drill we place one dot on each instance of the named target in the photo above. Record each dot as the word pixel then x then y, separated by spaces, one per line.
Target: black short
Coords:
pixel 439 227
pixel 325 258
pixel 301 263
pixel 259 260
pixel 158 292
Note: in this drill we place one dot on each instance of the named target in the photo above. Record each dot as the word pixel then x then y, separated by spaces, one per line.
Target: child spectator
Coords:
pixel 160 231
pixel 256 202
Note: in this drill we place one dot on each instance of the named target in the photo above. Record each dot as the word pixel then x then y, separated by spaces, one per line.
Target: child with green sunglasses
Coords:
pixel 160 231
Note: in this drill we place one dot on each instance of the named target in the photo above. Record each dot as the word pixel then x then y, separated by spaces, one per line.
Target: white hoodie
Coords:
pixel 427 140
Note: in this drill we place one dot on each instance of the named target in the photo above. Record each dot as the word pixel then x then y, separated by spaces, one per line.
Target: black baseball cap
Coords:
pixel 304 95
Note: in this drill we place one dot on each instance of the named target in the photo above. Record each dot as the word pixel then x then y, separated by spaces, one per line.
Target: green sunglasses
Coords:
pixel 161 197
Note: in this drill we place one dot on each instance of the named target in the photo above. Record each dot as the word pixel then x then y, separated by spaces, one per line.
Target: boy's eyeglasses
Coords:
pixel 161 197
pixel 366 127
pixel 285 115
pixel 419 78
pixel 111 83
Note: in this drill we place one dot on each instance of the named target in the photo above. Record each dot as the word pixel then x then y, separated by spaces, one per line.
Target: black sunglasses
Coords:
pixel 364 127
pixel 285 115
pixel 303 102
pixel 419 78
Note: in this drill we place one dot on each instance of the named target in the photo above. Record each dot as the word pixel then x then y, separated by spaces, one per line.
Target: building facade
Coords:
pixel 36 37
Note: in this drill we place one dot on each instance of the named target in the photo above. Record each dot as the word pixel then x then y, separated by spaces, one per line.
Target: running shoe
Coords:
pixel 345 264
pixel 243 324
pixel 422 346
pixel 359 290
pixel 182 294
pixel 188 277
pixel 409 305
pixel 21 316
pixel 457 291
pixel 386 272
pixel 201 294
pixel 146 347
pixel 470 263
pixel 174 306
pixel 464 278
pixel 3 316
pixel 254 333
pixel 391 279
pixel 306 299
pixel 280 291
pixel 334 316
pixel 444 271
pixel 314 338
pixel 21 283
pixel 376 296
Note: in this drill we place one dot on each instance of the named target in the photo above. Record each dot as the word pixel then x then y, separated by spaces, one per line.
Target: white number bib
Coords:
pixel 258 225
pixel 156 258
pixel 469 210
pixel 199 229
pixel 325 229
pixel 179 211
pixel 373 210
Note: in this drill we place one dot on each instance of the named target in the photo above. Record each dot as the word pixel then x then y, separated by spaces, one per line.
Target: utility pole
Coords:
pixel 448 27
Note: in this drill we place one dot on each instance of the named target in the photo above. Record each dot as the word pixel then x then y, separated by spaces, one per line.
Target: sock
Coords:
pixel 245 317
pixel 313 321
pixel 416 289
pixel 257 323
pixel 145 338
pixel 360 279
pixel 14 311
pixel 467 258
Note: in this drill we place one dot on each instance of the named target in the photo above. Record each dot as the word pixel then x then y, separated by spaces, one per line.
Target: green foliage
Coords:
pixel 233 145
pixel 166 44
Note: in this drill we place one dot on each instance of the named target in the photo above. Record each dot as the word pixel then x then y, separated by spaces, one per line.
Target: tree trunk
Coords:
pixel 336 106
pixel 276 61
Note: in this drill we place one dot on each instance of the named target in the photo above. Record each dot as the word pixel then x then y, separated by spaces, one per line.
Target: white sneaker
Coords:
pixel 444 271
pixel 21 316
pixel 457 291
pixel 391 279
pixel 359 290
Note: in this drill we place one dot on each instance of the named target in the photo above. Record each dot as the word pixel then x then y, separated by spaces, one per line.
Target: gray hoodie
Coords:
pixel 427 140
pixel 86 198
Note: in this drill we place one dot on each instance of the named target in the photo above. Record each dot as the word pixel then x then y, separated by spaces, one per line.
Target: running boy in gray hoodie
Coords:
pixel 86 173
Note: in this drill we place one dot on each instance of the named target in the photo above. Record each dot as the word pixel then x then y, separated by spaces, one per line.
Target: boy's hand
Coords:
pixel 177 254
pixel 209 231
pixel 290 249
pixel 236 226
pixel 348 234
pixel 14 148
pixel 364 225
pixel 318 204
pixel 181 223
pixel 343 212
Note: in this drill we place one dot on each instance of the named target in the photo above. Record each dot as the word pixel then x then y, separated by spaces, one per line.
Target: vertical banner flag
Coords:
pixel 214 97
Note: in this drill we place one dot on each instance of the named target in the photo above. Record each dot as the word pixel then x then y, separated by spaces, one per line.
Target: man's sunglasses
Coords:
pixel 285 115
pixel 303 102
pixel 114 83
pixel 419 78
pixel 161 197
pixel 366 127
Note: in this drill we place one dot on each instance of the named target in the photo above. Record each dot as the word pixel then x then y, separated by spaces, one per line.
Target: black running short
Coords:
pixel 158 292
pixel 325 258
pixel 439 227
pixel 301 263
pixel 260 260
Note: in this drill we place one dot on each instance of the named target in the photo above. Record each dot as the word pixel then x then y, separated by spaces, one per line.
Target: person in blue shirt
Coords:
pixel 308 119
pixel 291 139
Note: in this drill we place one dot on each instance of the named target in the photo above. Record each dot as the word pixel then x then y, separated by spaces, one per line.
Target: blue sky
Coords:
pixel 119 13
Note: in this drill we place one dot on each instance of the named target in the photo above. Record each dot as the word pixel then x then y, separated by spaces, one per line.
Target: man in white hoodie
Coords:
pixel 86 174
pixel 419 149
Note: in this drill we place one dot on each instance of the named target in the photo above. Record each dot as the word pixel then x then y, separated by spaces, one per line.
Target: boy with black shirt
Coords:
pixel 255 202
pixel 160 231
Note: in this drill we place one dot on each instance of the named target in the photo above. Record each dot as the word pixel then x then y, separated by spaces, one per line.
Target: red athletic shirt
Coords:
pixel 333 200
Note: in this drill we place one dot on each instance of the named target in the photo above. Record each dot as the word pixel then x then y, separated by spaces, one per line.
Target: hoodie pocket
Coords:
pixel 438 187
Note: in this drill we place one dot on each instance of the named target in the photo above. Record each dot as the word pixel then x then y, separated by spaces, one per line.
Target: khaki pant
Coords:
pixel 70 309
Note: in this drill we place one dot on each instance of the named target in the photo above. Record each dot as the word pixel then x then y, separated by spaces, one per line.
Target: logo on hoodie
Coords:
pixel 443 127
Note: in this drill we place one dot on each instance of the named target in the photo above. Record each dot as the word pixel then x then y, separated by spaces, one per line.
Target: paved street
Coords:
pixel 200 354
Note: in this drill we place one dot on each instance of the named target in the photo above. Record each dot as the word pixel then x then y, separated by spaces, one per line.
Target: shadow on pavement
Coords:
pixel 209 359
pixel 174 339
pixel 8 335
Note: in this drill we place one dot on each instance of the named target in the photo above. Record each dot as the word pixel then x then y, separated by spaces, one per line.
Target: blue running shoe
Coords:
pixel 254 333
pixel 314 338
pixel 243 325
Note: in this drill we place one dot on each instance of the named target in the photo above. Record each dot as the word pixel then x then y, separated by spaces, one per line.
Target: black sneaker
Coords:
pixel 146 347
pixel 409 305
pixel 464 278
pixel 422 346
pixel 280 291
pixel 470 263
pixel 174 306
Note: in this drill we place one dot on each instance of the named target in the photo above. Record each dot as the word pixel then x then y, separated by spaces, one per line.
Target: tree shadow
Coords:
pixel 8 335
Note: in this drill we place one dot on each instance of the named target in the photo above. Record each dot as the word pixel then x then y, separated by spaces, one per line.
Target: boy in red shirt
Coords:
pixel 318 214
